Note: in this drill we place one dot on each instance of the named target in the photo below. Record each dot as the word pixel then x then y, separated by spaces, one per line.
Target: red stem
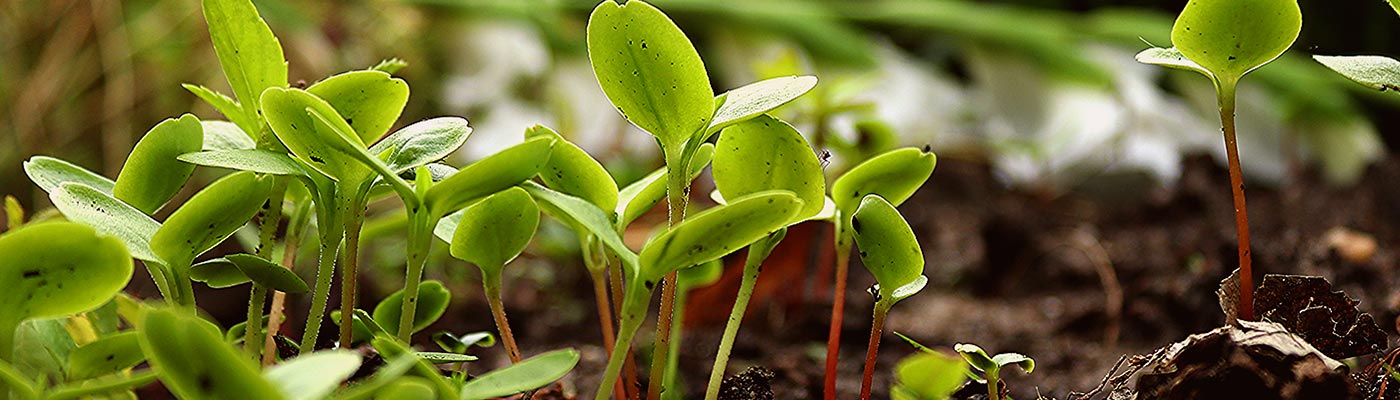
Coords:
pixel 838 309
pixel 1227 122
pixel 877 325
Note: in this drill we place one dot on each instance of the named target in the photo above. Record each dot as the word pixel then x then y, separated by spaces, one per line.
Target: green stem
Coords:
pixel 673 354
pixel 349 262
pixel 626 330
pixel 491 282
pixel 877 325
pixel 629 365
pixel 180 279
pixel 160 273
pixel 11 379
pixel 838 309
pixel 1226 95
pixel 420 235
pixel 597 263
pixel 267 234
pixel 752 265
pixel 330 232
pixel 134 380
pixel 677 195
pixel 253 329
pixel 993 383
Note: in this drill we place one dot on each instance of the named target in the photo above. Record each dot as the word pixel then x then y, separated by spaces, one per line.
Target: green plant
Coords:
pixel 490 234
pixel 890 251
pixel 928 375
pixel 991 366
pixel 1224 40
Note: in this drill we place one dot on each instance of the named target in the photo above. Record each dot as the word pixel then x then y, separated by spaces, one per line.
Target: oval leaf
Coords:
pixel 532 373
pixel 267 273
pixel 759 97
pixel 650 71
pixel 315 375
pixel 110 354
pixel 1375 72
pixel 287 114
pixel 432 303
pixel 583 217
pixel 58 268
pixel 894 175
pixel 210 216
pixel 496 229
pixel 572 171
pixel 194 361
pixel 369 100
pixel 888 247
pixel 224 135
pixel 260 161
pixel 716 232
pixel 975 356
pixel 1232 37
pixel 765 153
pixel 99 210
pixel 406 388
pixel 444 358
pixel 423 142
pixel 1017 359
pixel 492 174
pixel 929 375
pixel 48 173
pixel 218 273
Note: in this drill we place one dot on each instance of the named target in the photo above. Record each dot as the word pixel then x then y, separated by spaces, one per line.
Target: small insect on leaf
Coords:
pixel 650 71
pixel 195 362
pixel 369 100
pixel 496 229
pixel 1232 37
pixel 894 175
pixel 532 373
pixel 489 175
pixel 716 232
pixel 152 174
pixel 572 171
pixel 210 216
pixel 765 153
pixel 888 248
pixel 432 303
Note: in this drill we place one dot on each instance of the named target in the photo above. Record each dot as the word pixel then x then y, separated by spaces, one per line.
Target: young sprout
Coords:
pixel 1224 40
pixel 991 366
pixel 209 217
pixel 760 154
pixel 928 374
pixel 895 176
pixel 891 253
pixel 491 233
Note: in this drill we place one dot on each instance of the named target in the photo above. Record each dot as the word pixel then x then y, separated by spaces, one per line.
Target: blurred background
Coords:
pixel 1044 124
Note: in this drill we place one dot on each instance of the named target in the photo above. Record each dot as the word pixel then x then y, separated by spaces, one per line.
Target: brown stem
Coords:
pixel 279 301
pixel 1227 124
pixel 349 274
pixel 877 325
pixel 662 344
pixel 838 309
pixel 492 283
pixel 605 320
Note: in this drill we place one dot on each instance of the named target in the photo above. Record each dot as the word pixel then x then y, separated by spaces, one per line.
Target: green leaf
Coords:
pixel 433 298
pixel 929 375
pixel 248 51
pixel 407 388
pixel 110 354
pixel 496 229
pixel 888 248
pixel 582 217
pixel 260 161
pixel 48 173
pixel 1232 37
pixel 650 71
pixel 699 276
pixel 1017 359
pixel 532 373
pixel 42 348
pixel 423 142
pixel 218 273
pixel 445 358
pixel 58 268
pixel 267 273
pixel 194 362
pixel 492 174
pixel 1375 72
pixel 894 175
pixel 640 196
pixel 572 171
pixel 224 135
pixel 210 216
pixel 756 98
pixel 313 376
pixel 1170 57
pixel 152 174
pixel 287 114
pixel 83 204
pixel 460 344
pixel 369 100
pixel 765 153
pixel 715 232
pixel 391 65
pixel 976 357
pixel 228 107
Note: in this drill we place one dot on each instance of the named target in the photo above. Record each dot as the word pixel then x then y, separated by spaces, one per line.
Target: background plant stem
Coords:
pixel 420 236
pixel 267 242
pixel 752 265
pixel 838 309
pixel 1225 92
pixel 349 261
pixel 625 331
pixel 629 365
pixel 598 270
pixel 877 325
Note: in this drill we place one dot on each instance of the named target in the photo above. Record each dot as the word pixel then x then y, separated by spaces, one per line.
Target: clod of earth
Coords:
pixel 1255 360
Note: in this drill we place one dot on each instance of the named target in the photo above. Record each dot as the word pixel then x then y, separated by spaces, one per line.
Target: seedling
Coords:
pixel 890 251
pixel 991 366
pixel 491 233
pixel 204 221
pixel 651 72
pixel 928 374
pixel 1224 40
pixel 760 154
pixel 894 176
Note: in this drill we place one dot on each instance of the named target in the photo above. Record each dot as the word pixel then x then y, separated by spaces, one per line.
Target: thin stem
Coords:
pixel 993 385
pixel 180 279
pixel 673 354
pixel 626 330
pixel 420 235
pixel 677 195
pixel 753 264
pixel 629 366
pixel 877 325
pixel 491 282
pixel 838 309
pixel 349 261
pixel 597 269
pixel 267 235
pixel 252 328
pixel 1226 96
pixel 279 301
pixel 330 231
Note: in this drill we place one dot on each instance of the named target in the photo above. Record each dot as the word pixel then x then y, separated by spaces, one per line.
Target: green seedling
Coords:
pixel 204 221
pixel 530 374
pixel 894 176
pixel 991 366
pixel 491 233
pixel 686 280
pixel 653 75
pixel 928 375
pixel 151 174
pixel 890 251
pixel 432 296
pixel 760 154
pixel 1224 40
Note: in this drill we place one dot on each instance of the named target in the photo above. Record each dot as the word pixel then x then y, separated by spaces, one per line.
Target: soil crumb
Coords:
pixel 752 384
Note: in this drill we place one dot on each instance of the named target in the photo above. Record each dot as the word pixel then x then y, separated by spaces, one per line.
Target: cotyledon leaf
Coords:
pixel 286 111
pixel 496 229
pixel 369 100
pixel 268 273
pixel 249 53
pixel 109 354
pixel 532 373
pixel 1171 58
pixel 888 248
pixel 1375 72
pixel 255 160
pixel 423 142
pixel 715 232
pixel 225 135
pixel 757 98
pixel 195 362
pixel 650 71
pixel 489 175
pixel 583 217
pixel 83 204
pixel 315 375
pixel 152 174
pixel 58 268
pixel 432 303
pixel 210 216
pixel 894 175
pixel 640 196
pixel 1232 37
pixel 765 153
pixel 572 171
pixel 48 173
pixel 218 273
